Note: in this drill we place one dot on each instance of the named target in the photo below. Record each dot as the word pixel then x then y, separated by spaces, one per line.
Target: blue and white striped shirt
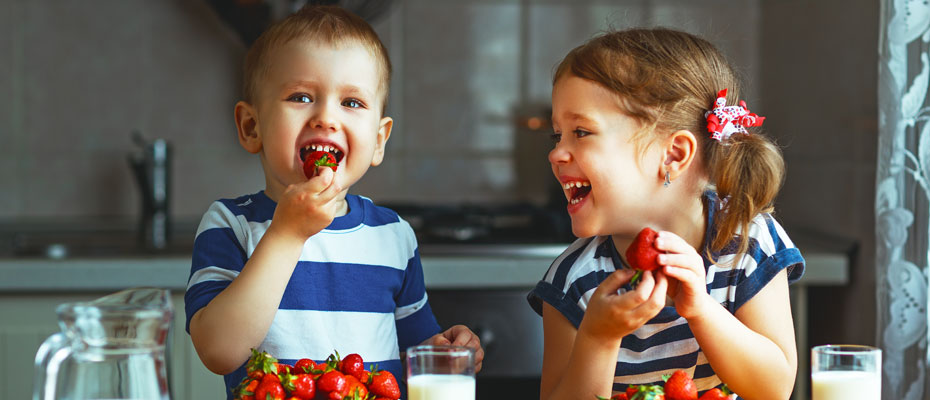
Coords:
pixel 665 343
pixel 357 287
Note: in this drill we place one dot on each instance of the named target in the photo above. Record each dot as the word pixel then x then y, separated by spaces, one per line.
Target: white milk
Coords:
pixel 441 387
pixel 845 385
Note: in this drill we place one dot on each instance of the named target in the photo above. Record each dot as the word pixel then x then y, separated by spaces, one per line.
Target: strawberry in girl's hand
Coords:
pixel 318 159
pixel 643 254
pixel 679 386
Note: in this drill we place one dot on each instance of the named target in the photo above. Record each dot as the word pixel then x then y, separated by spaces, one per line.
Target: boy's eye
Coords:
pixel 352 103
pixel 581 133
pixel 300 98
pixel 556 137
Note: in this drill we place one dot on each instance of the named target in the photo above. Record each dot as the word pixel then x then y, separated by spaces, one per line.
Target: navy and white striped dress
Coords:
pixel 357 287
pixel 665 343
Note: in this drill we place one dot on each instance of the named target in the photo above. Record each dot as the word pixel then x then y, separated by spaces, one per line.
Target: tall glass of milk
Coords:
pixel 843 371
pixel 440 373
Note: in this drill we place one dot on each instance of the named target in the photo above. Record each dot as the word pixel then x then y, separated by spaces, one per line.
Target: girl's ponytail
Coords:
pixel 748 171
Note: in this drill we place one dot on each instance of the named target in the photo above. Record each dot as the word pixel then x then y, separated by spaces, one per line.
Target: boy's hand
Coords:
pixel 306 208
pixel 460 335
pixel 685 267
pixel 611 315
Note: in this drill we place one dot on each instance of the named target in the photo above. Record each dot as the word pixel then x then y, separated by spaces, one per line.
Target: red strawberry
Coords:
pixel 679 386
pixel 247 391
pixel 383 384
pixel 269 390
pixel 355 388
pixel 352 365
pixel 618 396
pixel 301 385
pixel 317 159
pixel 645 392
pixel 721 393
pixel 304 365
pixel 642 253
pixel 262 362
pixel 334 384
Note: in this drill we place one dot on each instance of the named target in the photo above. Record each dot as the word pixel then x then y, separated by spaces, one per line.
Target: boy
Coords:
pixel 302 268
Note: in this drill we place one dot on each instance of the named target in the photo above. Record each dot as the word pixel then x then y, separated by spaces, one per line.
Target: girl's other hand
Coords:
pixel 611 314
pixel 460 335
pixel 685 267
pixel 308 207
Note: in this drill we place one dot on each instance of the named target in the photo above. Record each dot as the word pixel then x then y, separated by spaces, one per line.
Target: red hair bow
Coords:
pixel 723 120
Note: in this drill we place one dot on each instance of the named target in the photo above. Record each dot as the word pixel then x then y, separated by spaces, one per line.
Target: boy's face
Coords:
pixel 318 96
pixel 596 151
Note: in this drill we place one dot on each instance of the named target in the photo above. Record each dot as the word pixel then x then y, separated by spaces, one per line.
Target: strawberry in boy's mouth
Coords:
pixel 317 155
pixel 576 190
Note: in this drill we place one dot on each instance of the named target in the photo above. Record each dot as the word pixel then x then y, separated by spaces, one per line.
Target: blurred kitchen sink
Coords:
pixel 88 240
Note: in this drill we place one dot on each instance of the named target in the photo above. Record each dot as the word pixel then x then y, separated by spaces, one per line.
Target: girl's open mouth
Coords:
pixel 337 154
pixel 577 190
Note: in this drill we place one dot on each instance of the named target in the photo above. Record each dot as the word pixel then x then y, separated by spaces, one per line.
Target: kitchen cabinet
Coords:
pixel 28 319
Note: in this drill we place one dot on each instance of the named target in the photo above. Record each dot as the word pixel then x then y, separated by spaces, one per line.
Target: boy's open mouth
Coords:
pixel 577 190
pixel 337 154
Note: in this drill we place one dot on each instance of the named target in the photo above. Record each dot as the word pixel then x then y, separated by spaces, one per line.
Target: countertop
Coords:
pixel 444 267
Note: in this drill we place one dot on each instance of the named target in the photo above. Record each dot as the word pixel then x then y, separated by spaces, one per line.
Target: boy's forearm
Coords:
pixel 238 319
pixel 751 364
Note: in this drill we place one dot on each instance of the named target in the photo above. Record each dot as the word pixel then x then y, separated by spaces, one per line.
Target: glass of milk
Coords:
pixel 845 371
pixel 440 373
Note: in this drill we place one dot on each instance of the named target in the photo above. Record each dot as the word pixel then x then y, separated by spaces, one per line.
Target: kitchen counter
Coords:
pixel 444 267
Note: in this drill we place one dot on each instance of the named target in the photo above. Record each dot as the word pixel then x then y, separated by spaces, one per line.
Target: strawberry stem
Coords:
pixel 635 279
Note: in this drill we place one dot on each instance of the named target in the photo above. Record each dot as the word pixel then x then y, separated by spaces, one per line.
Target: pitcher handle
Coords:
pixel 51 353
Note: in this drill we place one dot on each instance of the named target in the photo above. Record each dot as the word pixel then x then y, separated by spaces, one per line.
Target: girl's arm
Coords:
pixel 579 364
pixel 754 351
pixel 758 359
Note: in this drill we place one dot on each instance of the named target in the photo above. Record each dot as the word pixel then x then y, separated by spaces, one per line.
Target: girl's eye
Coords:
pixel 581 133
pixel 556 137
pixel 300 98
pixel 352 103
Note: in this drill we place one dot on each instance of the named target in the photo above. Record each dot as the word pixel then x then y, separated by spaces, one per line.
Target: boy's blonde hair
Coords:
pixel 667 80
pixel 329 25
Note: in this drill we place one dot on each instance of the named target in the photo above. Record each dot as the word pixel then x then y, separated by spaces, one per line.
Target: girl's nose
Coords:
pixel 558 155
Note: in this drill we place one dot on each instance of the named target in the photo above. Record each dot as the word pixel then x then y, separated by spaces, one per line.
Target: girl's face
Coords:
pixel 316 96
pixel 606 179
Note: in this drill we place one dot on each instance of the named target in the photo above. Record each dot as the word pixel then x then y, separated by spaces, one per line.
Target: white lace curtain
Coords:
pixel 902 193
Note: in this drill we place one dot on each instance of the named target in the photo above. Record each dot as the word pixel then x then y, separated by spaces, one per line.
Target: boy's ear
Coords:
pixel 680 150
pixel 247 125
pixel 384 132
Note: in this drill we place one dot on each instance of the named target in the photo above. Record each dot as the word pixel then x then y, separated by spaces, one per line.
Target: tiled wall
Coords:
pixel 80 76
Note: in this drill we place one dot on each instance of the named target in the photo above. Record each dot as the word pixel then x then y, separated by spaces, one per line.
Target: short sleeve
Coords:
pixel 414 317
pixel 217 259
pixel 573 277
pixel 735 279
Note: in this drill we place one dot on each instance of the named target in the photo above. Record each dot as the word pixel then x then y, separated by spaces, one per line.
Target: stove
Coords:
pixel 511 224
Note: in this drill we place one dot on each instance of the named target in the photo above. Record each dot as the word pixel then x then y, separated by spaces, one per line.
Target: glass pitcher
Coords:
pixel 109 348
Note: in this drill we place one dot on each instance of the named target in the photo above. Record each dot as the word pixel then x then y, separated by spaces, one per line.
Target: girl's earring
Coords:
pixel 667 181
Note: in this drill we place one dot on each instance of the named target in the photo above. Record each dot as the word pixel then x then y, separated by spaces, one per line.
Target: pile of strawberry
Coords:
pixel 678 386
pixel 333 379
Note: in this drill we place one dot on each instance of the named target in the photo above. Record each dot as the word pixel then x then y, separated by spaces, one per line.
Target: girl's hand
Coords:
pixel 611 315
pixel 460 335
pixel 306 208
pixel 685 267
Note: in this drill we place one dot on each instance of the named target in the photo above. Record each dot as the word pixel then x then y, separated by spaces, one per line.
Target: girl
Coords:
pixel 648 134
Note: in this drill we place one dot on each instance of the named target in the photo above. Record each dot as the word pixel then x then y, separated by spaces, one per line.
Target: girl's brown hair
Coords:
pixel 667 80
pixel 330 25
